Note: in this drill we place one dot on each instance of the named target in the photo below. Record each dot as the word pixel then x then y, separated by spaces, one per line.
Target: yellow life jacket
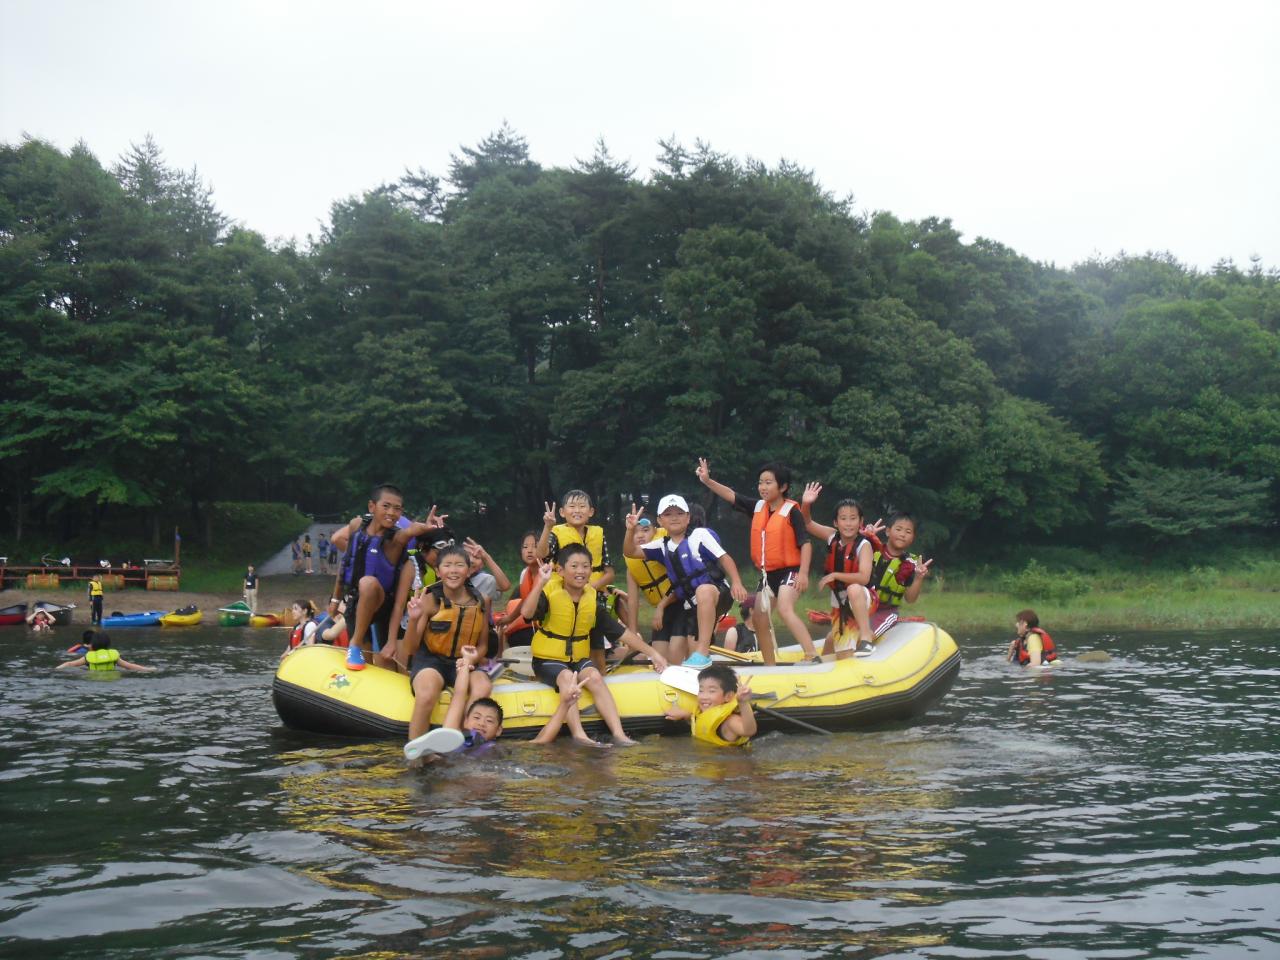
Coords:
pixel 102 659
pixel 594 541
pixel 95 588
pixel 455 626
pixel 565 633
pixel 705 724
pixel 651 575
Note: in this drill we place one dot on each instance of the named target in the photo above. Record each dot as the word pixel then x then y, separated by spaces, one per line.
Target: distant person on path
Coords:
pixel 251 589
pixel 306 553
pixel 333 555
pixel 1032 647
pixel 295 551
pixel 322 552
pixel 102 657
pixel 95 600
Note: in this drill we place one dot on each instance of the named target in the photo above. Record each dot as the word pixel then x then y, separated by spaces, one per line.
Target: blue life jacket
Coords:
pixel 688 570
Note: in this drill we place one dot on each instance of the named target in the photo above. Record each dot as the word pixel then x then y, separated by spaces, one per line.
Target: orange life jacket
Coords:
pixel 455 626
pixel 1048 652
pixel 773 541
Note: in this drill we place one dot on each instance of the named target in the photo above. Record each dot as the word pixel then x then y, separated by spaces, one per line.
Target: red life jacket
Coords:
pixel 1048 652
pixel 843 557
pixel 773 542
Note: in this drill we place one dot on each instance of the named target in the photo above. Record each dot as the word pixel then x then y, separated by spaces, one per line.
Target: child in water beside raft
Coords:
pixel 1032 647
pixel 480 720
pixel 102 656
pixel 568 622
pixel 723 717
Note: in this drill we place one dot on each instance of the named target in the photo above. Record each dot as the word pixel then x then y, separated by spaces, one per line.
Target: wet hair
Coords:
pixel 453 550
pixel 1028 617
pixel 697 516
pixel 576 495
pixel 380 488
pixel 780 473
pixel 101 641
pixel 722 674
pixel 571 550
pixel 307 606
pixel 850 502
pixel 488 703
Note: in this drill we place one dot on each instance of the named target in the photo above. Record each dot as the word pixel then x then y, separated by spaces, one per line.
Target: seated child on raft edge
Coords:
pixel 723 716
pixel 570 625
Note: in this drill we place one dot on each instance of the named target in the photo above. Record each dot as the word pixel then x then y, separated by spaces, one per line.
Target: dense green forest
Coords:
pixel 503 331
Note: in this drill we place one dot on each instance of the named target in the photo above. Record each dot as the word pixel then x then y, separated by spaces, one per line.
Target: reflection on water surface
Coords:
pixel 1122 809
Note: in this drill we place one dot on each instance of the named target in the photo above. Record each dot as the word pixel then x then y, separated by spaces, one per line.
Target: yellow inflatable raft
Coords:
pixel 913 667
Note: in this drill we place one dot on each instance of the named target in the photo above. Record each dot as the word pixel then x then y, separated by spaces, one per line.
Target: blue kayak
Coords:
pixel 148 619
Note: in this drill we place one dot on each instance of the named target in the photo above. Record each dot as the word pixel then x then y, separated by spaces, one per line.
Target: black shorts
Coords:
pixel 426 660
pixel 520 638
pixel 683 622
pixel 777 579
pixel 607 628
pixel 548 670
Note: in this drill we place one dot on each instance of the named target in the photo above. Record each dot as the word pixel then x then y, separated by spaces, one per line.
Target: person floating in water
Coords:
pixel 723 716
pixel 1032 647
pixel 40 620
pixel 102 657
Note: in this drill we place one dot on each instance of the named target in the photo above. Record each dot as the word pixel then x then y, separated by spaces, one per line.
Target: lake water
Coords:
pixel 1120 810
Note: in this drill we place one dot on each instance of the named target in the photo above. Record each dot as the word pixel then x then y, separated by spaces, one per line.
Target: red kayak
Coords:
pixel 13 616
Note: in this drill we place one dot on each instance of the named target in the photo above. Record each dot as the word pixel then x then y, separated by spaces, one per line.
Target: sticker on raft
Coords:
pixel 337 681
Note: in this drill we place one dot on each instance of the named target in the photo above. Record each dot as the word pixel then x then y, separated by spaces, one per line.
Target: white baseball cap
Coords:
pixel 672 500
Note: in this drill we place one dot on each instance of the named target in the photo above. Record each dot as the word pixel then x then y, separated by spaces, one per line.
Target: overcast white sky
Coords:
pixel 1063 130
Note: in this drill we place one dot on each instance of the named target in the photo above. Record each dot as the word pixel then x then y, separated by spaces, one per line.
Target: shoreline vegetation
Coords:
pixel 1159 601
pixel 1071 588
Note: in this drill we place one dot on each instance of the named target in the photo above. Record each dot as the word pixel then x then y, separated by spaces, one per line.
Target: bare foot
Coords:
pixel 588 742
pixel 624 742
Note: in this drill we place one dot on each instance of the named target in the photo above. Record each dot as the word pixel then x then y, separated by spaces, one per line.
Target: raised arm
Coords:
pixel 548 521
pixel 530 605
pixel 461 688
pixel 475 549
pixel 715 486
pixel 811 493
pixel 912 593
pixel 629 548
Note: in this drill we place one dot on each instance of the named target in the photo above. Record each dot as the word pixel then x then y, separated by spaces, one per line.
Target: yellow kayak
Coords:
pixel 181 619
pixel 264 620
pixel 913 666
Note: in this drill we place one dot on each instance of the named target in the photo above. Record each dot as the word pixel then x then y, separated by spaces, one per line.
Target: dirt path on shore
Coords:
pixel 275 594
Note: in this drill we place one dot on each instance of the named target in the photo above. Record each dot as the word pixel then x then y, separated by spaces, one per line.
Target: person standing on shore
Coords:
pixel 95 600
pixel 251 589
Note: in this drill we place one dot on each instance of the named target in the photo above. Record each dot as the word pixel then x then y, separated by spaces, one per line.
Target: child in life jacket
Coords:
pixel 374 545
pixel 723 717
pixel 1032 647
pixel 515 630
pixel 416 574
pixel 576 511
pixel 40 620
pixel 648 583
pixel 311 628
pixel 479 720
pixel 895 575
pixel 780 550
pixel 102 657
pixel 568 621
pixel 704 579
pixel 456 619
pixel 846 573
